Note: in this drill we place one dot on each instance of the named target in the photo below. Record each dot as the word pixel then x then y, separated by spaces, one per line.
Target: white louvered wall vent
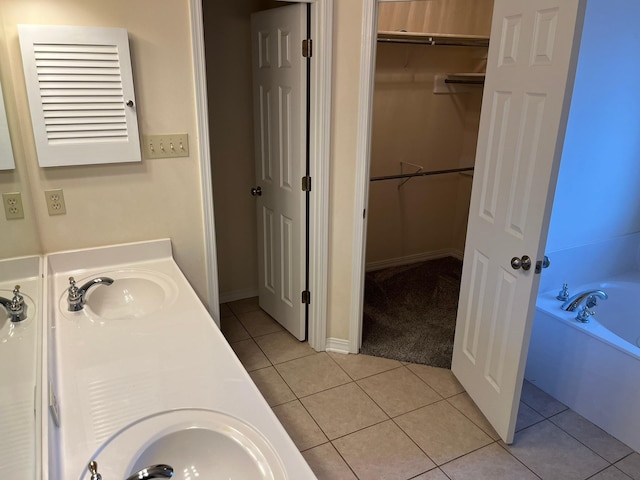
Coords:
pixel 81 96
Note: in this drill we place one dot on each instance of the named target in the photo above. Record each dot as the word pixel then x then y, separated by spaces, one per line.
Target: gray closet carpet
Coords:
pixel 410 312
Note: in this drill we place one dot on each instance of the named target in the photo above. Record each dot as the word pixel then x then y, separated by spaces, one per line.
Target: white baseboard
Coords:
pixel 337 345
pixel 409 259
pixel 459 254
pixel 226 297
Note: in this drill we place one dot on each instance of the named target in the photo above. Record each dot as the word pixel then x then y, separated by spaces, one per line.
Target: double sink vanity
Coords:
pixel 133 377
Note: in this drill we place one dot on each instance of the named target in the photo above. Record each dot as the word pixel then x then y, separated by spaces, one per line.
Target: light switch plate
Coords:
pixel 166 146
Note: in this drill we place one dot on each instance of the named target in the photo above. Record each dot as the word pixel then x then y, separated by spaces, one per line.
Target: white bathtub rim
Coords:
pixel 548 304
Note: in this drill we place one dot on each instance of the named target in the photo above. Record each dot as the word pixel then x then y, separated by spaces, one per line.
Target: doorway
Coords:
pixel 228 53
pixel 426 111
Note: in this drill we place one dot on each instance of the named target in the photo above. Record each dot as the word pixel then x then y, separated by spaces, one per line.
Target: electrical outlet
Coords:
pixel 55 202
pixel 13 205
pixel 166 146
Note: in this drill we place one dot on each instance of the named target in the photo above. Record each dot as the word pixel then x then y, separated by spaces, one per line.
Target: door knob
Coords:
pixel 524 263
pixel 256 191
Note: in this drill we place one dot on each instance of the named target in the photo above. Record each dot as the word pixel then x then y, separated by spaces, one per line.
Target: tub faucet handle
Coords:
pixel 584 314
pixel 563 294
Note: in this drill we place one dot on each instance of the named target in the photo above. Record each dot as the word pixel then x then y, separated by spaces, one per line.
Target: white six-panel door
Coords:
pixel 530 72
pixel 279 90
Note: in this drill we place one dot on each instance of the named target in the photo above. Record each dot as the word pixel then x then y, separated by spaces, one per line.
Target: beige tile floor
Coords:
pixel 362 417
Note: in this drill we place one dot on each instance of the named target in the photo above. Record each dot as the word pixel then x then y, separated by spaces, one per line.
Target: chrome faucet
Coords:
pixel 153 471
pixel 76 298
pixel 590 295
pixel 16 307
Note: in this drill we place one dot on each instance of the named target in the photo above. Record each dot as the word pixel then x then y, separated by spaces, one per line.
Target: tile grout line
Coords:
pixel 389 417
pixel 352 380
pixel 504 448
pixel 606 468
pixel 587 446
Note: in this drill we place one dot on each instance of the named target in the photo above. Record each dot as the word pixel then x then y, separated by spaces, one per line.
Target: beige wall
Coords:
pixel 468 17
pixel 436 131
pixel 117 203
pixel 347 41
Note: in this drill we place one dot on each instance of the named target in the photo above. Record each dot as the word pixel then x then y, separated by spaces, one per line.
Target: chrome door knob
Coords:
pixel 524 263
pixel 256 191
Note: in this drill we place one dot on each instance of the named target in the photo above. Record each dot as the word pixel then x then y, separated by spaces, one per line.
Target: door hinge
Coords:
pixel 307 48
pixel 540 264
pixel 306 297
pixel 306 184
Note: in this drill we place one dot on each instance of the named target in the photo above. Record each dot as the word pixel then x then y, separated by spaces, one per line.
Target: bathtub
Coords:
pixel 593 368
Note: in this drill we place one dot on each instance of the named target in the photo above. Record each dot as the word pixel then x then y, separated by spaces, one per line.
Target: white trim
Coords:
pixel 226 297
pixel 320 143
pixel 367 71
pixel 409 259
pixel 337 345
pixel 202 125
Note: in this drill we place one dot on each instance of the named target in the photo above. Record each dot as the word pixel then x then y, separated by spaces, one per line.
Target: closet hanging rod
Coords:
pixel 464 82
pixel 433 40
pixel 421 174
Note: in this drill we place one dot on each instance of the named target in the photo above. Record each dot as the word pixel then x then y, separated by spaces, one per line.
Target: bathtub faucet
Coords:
pixel 591 297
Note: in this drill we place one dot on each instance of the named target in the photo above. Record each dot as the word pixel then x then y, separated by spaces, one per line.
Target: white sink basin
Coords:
pixel 195 443
pixel 126 298
pixel 133 294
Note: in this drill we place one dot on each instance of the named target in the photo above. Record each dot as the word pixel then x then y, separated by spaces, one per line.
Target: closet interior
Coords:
pixel 430 63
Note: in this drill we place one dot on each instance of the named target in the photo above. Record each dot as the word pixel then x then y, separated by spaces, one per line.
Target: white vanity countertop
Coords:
pixel 18 360
pixel 112 372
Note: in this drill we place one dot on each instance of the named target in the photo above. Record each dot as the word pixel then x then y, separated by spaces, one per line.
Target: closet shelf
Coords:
pixel 434 39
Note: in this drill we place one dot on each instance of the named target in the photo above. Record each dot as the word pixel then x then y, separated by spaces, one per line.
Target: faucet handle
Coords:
pixel 584 314
pixel 74 291
pixel 17 307
pixel 18 299
pixel 563 294
pixel 93 470
pixel 592 301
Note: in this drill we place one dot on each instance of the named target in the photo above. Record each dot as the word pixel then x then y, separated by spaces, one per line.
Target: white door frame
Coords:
pixel 320 130
pixel 363 154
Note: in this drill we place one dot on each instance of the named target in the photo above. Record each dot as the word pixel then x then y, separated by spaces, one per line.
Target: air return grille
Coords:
pixel 81 98
pixel 81 92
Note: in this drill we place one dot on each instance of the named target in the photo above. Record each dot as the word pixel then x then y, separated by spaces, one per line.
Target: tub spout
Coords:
pixel 590 295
